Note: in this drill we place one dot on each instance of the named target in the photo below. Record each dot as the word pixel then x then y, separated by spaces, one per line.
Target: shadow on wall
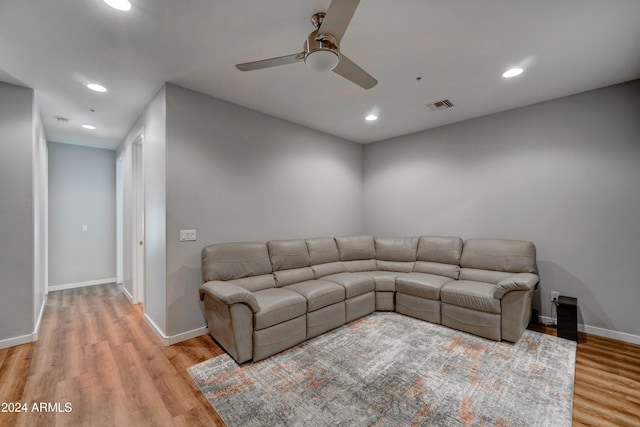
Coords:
pixel 184 298
pixel 553 277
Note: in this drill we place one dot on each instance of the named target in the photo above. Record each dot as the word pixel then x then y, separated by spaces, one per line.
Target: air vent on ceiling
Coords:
pixel 441 105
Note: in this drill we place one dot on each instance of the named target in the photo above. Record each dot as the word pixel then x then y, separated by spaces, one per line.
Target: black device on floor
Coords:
pixel 568 318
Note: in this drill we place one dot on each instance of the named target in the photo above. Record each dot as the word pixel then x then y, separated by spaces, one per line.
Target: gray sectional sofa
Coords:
pixel 262 298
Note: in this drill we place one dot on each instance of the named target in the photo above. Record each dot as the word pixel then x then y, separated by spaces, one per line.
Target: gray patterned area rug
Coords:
pixel 392 370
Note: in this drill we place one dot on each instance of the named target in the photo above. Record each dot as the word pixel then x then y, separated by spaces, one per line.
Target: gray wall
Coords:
pixel 564 174
pixel 81 192
pixel 16 212
pixel 235 175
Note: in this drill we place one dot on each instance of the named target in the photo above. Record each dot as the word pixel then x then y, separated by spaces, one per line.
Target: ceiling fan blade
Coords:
pixel 338 17
pixel 271 62
pixel 350 71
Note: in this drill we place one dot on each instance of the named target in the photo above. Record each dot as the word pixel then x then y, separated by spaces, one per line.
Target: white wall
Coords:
pixel 81 192
pixel 564 174
pixel 21 215
pixel 234 174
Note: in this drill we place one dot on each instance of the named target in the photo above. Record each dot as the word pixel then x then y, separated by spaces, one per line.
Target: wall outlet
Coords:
pixel 554 296
pixel 187 235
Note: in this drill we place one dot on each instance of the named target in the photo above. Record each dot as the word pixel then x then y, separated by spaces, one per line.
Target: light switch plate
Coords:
pixel 187 235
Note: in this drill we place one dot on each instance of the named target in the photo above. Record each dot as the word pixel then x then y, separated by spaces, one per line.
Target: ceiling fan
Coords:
pixel 322 47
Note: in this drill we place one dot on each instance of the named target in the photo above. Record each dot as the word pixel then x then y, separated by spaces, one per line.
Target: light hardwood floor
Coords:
pixel 96 353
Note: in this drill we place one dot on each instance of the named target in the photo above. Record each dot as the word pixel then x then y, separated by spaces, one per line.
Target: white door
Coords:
pixel 119 219
pixel 138 209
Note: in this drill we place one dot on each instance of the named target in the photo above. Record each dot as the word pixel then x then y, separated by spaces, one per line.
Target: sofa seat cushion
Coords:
pixel 278 305
pixel 423 285
pixel 318 293
pixel 354 283
pixel 471 294
pixel 385 280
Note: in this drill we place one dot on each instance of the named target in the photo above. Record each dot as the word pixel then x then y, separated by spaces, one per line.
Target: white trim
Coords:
pixel 25 339
pixel 39 322
pixel 174 339
pixel 120 218
pixel 546 320
pixel 127 294
pixel 156 329
pixel 608 333
pixel 12 342
pixel 593 330
pixel 82 284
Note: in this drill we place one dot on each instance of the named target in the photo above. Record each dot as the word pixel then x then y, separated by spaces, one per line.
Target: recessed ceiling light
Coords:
pixel 512 72
pixel 122 5
pixel 90 127
pixel 371 118
pixel 96 87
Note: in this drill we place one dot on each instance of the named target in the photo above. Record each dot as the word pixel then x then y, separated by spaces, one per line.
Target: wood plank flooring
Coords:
pixel 607 381
pixel 96 353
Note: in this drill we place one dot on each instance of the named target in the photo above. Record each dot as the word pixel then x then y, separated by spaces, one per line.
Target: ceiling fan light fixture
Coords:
pixel 512 72
pixel 122 5
pixel 96 87
pixel 322 60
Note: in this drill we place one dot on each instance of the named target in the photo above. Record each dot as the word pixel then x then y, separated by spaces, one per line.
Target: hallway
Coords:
pixel 96 353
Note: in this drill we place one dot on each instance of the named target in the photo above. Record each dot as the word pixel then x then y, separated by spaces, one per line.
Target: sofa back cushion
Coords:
pixel 355 248
pixel 321 270
pixel 513 256
pixel 229 261
pixel 442 249
pixel 487 276
pixel 293 275
pixel 358 253
pixel 322 250
pixel 256 283
pixel 360 265
pixel 437 268
pixel 396 253
pixel 402 249
pixel 404 267
pixel 439 255
pixel 288 254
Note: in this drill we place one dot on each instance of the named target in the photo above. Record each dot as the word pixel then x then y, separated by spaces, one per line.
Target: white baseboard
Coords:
pixel 127 294
pixel 81 284
pixel 608 333
pixel 25 339
pixel 174 339
pixel 546 320
pixel 36 331
pixel 593 330
pixel 11 342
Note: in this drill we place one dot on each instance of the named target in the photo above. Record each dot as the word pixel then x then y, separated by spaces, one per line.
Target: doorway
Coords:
pixel 119 219
pixel 138 250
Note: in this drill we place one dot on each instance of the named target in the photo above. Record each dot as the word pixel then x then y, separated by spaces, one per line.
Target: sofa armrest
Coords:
pixel 517 282
pixel 229 294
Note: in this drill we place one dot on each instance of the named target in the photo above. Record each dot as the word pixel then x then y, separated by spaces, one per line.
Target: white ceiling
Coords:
pixel 459 47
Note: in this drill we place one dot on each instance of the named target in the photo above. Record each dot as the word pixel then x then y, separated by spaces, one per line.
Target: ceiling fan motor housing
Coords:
pixel 321 51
